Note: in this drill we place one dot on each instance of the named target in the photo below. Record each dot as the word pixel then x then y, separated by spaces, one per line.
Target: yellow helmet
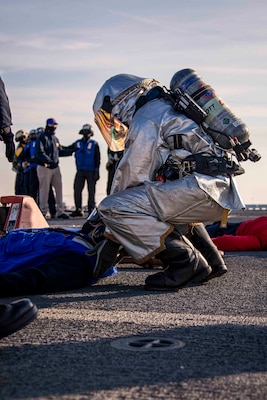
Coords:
pixel 21 134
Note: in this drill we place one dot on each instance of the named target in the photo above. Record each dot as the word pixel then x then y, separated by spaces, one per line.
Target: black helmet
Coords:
pixel 40 130
pixel 32 134
pixel 86 130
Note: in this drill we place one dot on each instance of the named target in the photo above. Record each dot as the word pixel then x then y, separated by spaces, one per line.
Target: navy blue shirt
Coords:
pixel 48 150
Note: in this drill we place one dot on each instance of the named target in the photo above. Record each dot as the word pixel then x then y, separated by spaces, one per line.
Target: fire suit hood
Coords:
pixel 114 106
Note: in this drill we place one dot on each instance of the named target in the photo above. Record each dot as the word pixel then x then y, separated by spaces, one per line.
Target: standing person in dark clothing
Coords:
pixel 52 203
pixel 19 313
pixel 30 171
pixel 6 134
pixel 47 153
pixel 87 157
pixel 113 160
pixel 29 166
pixel 20 182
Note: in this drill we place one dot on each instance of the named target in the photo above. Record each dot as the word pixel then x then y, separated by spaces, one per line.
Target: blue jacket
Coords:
pixel 29 155
pixel 87 155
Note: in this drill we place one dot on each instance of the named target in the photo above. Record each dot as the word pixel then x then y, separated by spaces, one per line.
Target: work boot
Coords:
pixel 77 213
pixel 202 241
pixel 106 252
pixel 16 315
pixel 186 265
pixel 63 216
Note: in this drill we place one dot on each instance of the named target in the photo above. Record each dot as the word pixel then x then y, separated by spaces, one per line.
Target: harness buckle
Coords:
pixel 188 166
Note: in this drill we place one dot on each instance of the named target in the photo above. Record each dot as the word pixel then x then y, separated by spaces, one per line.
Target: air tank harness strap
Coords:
pixel 156 92
pixel 211 165
pixel 207 165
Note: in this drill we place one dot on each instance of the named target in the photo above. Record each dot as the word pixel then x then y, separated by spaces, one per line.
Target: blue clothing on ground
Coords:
pixel 45 260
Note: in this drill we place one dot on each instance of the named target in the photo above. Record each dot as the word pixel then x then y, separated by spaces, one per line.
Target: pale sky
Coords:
pixel 55 55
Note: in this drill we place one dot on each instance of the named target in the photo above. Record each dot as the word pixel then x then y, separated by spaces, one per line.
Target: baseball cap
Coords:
pixel 51 121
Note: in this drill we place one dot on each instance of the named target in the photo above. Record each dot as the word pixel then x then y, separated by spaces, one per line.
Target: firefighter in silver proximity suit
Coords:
pixel 151 217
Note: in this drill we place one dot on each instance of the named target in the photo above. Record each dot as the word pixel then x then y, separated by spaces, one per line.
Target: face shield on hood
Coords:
pixel 114 106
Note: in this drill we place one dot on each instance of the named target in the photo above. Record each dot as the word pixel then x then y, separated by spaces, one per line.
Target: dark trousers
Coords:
pixel 20 187
pixel 111 172
pixel 79 181
pixel 32 184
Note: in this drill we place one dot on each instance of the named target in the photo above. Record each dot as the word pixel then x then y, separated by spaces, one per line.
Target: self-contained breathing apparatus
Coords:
pixel 209 113
pixel 184 103
pixel 198 101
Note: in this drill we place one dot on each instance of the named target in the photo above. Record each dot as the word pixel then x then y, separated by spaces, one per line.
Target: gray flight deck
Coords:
pixel 114 340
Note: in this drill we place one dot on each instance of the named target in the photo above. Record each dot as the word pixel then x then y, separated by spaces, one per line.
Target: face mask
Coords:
pixel 113 131
pixel 51 129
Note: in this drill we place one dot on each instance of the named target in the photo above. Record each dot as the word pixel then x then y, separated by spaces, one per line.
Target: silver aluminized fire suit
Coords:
pixel 141 211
